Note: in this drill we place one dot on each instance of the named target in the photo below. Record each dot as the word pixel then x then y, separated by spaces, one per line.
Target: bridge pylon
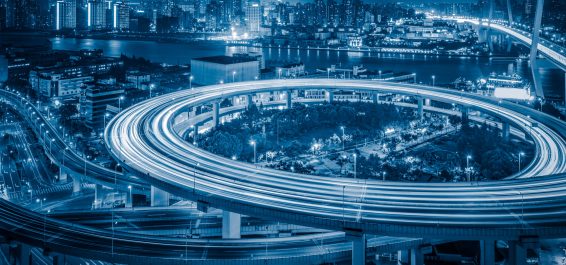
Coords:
pixel 534 49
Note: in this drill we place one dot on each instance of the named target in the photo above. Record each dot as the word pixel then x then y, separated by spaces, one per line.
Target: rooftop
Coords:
pixel 222 59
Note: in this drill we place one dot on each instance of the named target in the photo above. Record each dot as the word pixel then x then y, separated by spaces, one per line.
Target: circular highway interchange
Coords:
pixel 145 142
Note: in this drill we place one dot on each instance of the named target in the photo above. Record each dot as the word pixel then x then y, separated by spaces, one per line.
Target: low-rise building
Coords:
pixel 138 79
pixel 97 98
pixel 66 81
pixel 290 70
pixel 64 85
pixel 224 69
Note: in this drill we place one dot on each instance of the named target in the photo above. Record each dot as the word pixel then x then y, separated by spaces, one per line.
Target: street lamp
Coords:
pixel 355 165
pixel 233 76
pixel 343 137
pixel 120 103
pixel 130 195
pixel 520 154
pixel 191 82
pixel 105 115
pixel 253 143
pixel 468 166
pixel 151 87
pixel 433 79
pixel 379 74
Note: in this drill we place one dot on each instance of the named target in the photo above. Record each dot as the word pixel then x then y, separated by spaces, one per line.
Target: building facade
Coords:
pixel 224 69
pixel 66 14
pixel 98 97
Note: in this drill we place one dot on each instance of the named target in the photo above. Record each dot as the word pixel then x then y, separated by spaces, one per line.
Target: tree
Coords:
pixel 68 111
pixel 496 164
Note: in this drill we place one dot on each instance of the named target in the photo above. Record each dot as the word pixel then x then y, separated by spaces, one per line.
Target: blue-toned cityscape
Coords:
pixel 233 132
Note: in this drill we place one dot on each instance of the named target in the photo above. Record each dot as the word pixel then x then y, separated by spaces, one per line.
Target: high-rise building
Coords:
pixel 66 14
pixel 528 7
pixel 320 12
pixel 22 14
pixel 348 13
pixel 253 16
pixel 96 14
pixel 2 16
pixel 121 16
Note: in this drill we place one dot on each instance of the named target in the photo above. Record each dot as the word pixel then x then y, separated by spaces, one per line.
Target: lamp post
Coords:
pixel 50 142
pixel 433 80
pixel 120 103
pixel 105 115
pixel 379 74
pixel 343 138
pixel 233 76
pixel 130 195
pixel 191 82
pixel 253 143
pixel 355 165
pixel 520 154
pixel 468 157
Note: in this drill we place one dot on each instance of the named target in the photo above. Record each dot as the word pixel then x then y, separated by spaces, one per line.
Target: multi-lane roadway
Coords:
pixel 143 139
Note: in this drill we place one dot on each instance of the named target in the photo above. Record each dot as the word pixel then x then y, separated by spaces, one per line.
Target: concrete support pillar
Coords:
pixel 487 252
pixel 420 108
pixel 511 255
pixel 417 257
pixel 465 117
pixel 534 48
pixel 195 131
pixel 231 224
pixel 215 113
pixel 250 100
pixel 58 259
pixel 565 89
pixel 289 95
pixel 375 98
pixel 359 243
pixel 403 257
pixel 129 198
pixel 330 96
pixel 517 254
pixel 505 130
pixel 159 197
pixel 98 196
pixel 77 185
pixel 20 254
pixel 62 175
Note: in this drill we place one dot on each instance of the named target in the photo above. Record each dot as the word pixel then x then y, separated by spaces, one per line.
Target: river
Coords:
pixel 445 69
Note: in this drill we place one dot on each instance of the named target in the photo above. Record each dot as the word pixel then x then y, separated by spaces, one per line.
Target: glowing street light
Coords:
pixel 254 144
pixel 120 103
pixel 355 165
pixel 468 157
pixel 343 137
pixel 520 155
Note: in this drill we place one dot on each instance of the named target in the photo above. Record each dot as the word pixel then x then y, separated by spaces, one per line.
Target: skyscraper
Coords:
pixel 96 14
pixel 2 15
pixel 253 16
pixel 121 16
pixel 348 13
pixel 22 14
pixel 320 12
pixel 66 14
